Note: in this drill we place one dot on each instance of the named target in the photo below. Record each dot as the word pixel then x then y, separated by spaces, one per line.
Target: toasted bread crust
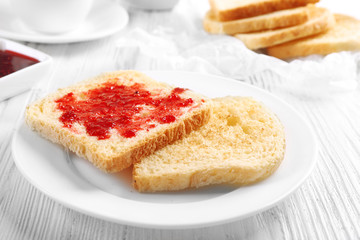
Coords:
pixel 164 138
pixel 344 36
pixel 109 155
pixel 320 21
pixel 255 9
pixel 280 19
pixel 78 144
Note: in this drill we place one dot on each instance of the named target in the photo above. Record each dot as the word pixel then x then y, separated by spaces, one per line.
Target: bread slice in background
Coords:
pixel 243 143
pixel 227 10
pixel 115 152
pixel 344 36
pixel 275 20
pixel 320 20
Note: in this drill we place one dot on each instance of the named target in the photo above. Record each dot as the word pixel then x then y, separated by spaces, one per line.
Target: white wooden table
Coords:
pixel 326 206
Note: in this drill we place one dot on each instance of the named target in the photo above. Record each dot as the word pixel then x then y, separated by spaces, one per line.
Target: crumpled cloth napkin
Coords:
pixel 180 43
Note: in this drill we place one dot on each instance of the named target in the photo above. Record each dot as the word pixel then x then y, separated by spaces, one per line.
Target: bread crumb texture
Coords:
pixel 227 10
pixel 116 152
pixel 343 36
pixel 320 20
pixel 242 143
pixel 269 21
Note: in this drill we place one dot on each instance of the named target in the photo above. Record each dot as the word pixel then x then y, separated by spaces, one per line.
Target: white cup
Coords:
pixel 151 4
pixel 52 16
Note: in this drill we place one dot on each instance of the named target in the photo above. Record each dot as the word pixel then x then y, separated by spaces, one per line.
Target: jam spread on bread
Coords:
pixel 127 109
pixel 12 61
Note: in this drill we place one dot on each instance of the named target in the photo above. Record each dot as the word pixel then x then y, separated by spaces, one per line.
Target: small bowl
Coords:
pixel 25 78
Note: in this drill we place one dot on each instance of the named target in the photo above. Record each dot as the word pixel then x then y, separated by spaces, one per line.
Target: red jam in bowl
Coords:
pixel 12 61
pixel 128 109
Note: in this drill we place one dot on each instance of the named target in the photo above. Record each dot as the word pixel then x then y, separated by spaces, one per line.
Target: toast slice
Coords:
pixel 117 118
pixel 227 10
pixel 242 143
pixel 320 20
pixel 275 20
pixel 344 36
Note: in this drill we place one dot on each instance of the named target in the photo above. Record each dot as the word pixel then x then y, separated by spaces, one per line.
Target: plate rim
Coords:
pixel 169 224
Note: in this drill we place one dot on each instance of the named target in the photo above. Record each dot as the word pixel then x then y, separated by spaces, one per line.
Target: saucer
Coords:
pixel 104 19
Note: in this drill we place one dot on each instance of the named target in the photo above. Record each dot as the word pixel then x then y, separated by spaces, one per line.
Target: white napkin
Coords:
pixel 180 43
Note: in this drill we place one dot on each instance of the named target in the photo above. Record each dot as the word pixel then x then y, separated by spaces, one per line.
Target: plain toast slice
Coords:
pixel 243 143
pixel 344 36
pixel 320 20
pixel 227 10
pixel 275 20
pixel 117 118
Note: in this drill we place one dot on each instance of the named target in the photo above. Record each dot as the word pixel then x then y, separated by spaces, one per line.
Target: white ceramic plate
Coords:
pixel 75 183
pixel 104 19
pixel 25 78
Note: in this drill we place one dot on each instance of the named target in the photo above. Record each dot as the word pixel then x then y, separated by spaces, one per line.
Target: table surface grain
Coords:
pixel 326 206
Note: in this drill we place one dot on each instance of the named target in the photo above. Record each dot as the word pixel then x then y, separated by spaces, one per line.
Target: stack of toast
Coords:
pixel 174 138
pixel 284 28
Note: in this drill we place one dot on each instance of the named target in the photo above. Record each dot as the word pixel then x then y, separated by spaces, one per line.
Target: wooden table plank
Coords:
pixel 327 206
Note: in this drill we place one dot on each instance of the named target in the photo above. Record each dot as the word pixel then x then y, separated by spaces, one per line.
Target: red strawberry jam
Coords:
pixel 128 109
pixel 12 61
